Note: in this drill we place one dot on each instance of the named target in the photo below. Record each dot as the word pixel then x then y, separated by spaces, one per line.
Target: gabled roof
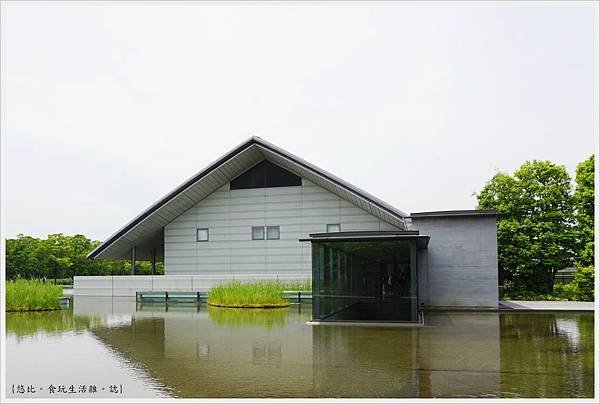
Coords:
pixel 145 231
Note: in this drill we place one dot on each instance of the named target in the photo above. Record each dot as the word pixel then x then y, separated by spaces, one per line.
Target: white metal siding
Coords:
pixel 229 216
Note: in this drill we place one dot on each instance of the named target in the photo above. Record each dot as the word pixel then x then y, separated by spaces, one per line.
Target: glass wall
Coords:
pixel 364 280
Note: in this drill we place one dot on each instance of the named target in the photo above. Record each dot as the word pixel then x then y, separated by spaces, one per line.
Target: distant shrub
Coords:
pixel 581 288
pixel 584 282
pixel 567 291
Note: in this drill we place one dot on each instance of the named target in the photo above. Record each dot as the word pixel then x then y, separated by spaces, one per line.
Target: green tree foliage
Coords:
pixel 59 256
pixel 535 233
pixel 584 206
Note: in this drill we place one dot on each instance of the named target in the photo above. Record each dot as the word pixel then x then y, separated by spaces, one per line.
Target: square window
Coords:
pixel 202 235
pixel 272 232
pixel 258 233
pixel 333 228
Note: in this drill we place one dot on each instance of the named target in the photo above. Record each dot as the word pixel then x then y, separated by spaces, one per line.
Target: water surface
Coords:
pixel 194 351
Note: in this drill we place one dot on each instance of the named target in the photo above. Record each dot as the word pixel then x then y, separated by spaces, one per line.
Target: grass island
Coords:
pixel 32 295
pixel 265 295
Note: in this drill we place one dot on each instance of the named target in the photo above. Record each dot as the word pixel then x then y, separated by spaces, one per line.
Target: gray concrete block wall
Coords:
pixel 461 267
pixel 128 285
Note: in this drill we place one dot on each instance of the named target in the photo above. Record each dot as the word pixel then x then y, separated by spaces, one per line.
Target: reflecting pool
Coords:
pixel 128 350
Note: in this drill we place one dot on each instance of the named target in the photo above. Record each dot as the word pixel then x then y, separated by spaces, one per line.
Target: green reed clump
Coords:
pixel 298 285
pixel 31 295
pixel 251 294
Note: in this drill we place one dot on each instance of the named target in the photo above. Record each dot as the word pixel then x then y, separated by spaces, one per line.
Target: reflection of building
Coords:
pixel 459 355
pixel 195 356
pixel 243 217
pixel 358 362
pixel 456 357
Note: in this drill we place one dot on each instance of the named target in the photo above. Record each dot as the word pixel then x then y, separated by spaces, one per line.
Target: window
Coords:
pixel 272 232
pixel 201 234
pixel 258 233
pixel 333 228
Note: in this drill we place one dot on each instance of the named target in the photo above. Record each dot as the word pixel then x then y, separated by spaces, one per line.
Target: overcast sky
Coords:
pixel 107 107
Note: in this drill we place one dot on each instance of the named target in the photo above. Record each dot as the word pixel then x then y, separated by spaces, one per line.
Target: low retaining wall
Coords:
pixel 127 285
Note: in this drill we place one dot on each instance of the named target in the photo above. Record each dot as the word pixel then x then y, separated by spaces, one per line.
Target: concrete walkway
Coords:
pixel 547 305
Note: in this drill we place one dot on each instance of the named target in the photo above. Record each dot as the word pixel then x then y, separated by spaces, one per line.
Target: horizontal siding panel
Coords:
pixel 176 248
pixel 229 216
pixel 181 260
pixel 249 222
pixel 248 259
pixel 374 226
pixel 236 217
pixel 205 259
pixel 189 255
pixel 247 193
pixel 279 202
pixel 280 269
pixel 245 267
pixel 283 191
pixel 222 209
pixel 323 211
pixel 180 225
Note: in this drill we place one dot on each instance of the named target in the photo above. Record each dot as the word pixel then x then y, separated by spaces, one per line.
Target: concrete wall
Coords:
pixel 229 216
pixel 127 285
pixel 460 268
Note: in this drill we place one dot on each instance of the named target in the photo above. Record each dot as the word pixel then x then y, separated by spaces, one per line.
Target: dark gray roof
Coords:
pixel 454 213
pixel 422 240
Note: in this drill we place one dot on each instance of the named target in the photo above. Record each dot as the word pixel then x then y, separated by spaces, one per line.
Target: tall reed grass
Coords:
pixel 251 294
pixel 31 295
pixel 298 286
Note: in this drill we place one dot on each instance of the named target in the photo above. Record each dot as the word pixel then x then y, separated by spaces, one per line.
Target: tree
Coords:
pixel 54 256
pixel 60 256
pixel 535 233
pixel 20 258
pixel 584 206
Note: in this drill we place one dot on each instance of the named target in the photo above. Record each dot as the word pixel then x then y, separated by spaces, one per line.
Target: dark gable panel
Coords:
pixel 280 177
pixel 265 175
pixel 253 178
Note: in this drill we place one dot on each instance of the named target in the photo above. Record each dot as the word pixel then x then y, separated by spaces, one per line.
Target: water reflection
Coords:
pixel 200 352
pixel 547 354
pixel 50 323
pixel 238 318
pixel 59 349
pixel 213 353
pixel 365 362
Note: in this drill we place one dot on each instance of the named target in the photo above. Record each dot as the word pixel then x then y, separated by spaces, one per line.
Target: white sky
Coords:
pixel 108 106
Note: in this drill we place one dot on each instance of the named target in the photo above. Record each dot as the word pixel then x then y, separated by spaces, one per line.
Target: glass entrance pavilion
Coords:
pixel 365 276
